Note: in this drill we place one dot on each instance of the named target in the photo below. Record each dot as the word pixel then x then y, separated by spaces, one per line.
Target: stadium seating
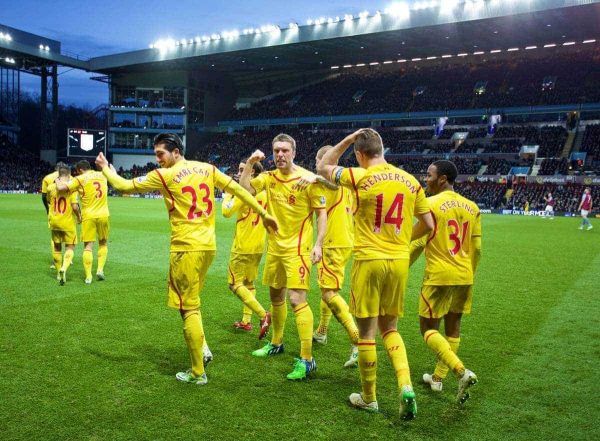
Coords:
pixel 508 83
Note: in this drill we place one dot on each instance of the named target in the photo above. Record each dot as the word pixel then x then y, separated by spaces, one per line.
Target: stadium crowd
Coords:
pixel 563 78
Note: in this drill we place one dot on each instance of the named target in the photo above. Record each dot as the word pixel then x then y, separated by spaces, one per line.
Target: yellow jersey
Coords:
pixel 93 188
pixel 48 179
pixel 386 200
pixel 293 208
pixel 188 189
pixel 60 214
pixel 250 233
pixel 340 229
pixel 448 252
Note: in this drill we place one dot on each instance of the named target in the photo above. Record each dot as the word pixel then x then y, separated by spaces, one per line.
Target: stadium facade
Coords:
pixel 190 85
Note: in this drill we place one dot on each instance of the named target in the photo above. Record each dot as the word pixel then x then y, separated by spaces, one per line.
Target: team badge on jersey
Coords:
pixel 141 179
pixel 292 199
pixel 322 200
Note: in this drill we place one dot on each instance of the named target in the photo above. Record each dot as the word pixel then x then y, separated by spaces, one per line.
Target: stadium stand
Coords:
pixel 571 78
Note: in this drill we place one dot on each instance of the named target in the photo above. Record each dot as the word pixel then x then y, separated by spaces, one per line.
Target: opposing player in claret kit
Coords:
pixel 291 251
pixel 585 208
pixel 387 198
pixel 549 200
pixel 188 191
pixel 246 251
pixel 452 252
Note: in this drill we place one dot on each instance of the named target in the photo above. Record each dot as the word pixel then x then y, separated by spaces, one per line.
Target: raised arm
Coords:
pixel 226 183
pixel 246 175
pixel 330 159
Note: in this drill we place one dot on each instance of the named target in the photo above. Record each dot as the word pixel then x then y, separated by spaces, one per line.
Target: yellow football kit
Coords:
pixel 61 218
pixel 288 263
pixel 249 240
pixel 339 237
pixel 188 191
pixel 93 190
pixel 386 200
pixel 48 179
pixel 448 277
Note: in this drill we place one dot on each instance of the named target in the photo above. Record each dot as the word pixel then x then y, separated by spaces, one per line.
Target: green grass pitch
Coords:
pixel 98 362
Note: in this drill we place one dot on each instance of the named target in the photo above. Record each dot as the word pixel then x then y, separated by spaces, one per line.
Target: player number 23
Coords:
pixel 192 213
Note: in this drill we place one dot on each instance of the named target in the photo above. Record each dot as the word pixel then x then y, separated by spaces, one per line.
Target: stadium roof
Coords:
pixel 426 29
pixel 28 52
pixel 462 27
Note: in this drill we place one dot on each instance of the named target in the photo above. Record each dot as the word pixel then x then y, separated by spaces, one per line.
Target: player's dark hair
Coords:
pixel 257 168
pixel 83 165
pixel 369 143
pixel 446 168
pixel 60 164
pixel 171 142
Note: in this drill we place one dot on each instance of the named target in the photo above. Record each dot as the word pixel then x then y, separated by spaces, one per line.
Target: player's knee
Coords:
pixel 327 295
pixel 427 324
pixel 234 286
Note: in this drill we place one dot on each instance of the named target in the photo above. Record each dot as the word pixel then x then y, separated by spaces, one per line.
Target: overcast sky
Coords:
pixel 111 26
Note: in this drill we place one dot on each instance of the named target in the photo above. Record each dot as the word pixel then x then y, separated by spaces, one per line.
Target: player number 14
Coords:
pixel 393 215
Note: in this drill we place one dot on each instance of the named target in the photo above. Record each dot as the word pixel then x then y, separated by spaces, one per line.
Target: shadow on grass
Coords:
pixel 168 361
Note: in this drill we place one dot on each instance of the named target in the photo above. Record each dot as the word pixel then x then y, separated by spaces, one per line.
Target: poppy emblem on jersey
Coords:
pixel 272 185
pixel 292 199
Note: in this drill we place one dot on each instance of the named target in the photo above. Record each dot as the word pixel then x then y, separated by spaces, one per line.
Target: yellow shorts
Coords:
pixel 66 237
pixel 187 271
pixel 287 272
pixel 243 268
pixel 437 301
pixel 90 228
pixel 378 287
pixel 331 268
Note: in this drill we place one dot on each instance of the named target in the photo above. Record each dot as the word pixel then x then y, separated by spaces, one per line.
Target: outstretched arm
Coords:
pixel 226 183
pixel 144 184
